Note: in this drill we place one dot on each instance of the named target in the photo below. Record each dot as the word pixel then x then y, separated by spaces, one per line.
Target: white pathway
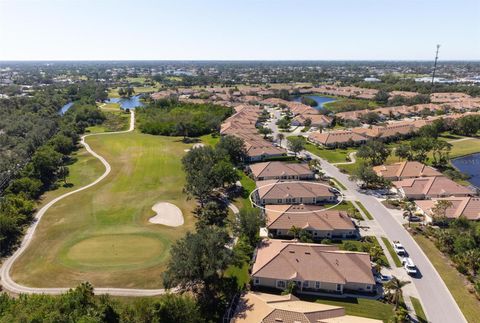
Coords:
pixel 9 284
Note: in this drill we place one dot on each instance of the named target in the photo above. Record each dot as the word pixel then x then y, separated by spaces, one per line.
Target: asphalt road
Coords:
pixel 438 303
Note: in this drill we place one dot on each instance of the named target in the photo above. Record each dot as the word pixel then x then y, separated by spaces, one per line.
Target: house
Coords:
pixel 337 138
pixel 257 307
pixel 317 120
pixel 281 170
pixel 321 224
pixel 312 267
pixel 351 115
pixel 404 170
pixel 394 130
pixel 430 187
pixel 278 192
pixel 469 207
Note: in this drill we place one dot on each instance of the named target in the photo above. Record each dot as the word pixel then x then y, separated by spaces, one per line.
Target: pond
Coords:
pixel 321 100
pixel 65 108
pixel 470 165
pixel 127 103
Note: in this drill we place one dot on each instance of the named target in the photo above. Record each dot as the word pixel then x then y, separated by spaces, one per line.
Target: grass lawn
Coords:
pixel 342 103
pixel 331 155
pixel 417 306
pixel 358 306
pixel 210 139
pixel 113 93
pixel 367 214
pixel 117 120
pixel 102 235
pixel 240 273
pixel 455 282
pixel 248 185
pixel 465 147
pixel 339 185
pixel 392 252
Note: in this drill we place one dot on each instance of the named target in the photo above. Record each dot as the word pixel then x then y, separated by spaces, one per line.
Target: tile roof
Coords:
pixel 432 187
pixel 406 169
pixel 335 137
pixel 276 189
pixel 276 168
pixel 468 207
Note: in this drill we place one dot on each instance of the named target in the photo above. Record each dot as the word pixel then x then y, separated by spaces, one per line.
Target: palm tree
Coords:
pixel 439 211
pixel 280 137
pixel 394 288
pixel 408 208
pixel 295 231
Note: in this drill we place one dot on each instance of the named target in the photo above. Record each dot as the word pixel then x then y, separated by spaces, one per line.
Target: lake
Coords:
pixel 127 103
pixel 65 108
pixel 469 165
pixel 321 100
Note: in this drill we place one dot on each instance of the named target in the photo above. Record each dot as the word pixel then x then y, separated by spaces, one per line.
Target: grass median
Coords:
pixel 362 207
pixel 392 252
pixel 417 306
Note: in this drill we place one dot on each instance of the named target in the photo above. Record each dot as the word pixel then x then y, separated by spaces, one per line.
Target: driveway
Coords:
pixel 437 301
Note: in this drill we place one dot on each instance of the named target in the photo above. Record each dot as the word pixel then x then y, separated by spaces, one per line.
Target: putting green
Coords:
pixel 112 251
pixel 102 234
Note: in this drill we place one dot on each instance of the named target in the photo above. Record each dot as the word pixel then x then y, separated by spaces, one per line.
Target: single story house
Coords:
pixel 281 170
pixel 336 138
pixel 312 267
pixel 256 307
pixel 278 192
pixel 321 224
pixel 469 207
pixel 430 187
pixel 404 170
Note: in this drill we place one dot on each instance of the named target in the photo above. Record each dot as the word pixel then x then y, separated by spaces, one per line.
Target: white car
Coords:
pixel 399 249
pixel 409 266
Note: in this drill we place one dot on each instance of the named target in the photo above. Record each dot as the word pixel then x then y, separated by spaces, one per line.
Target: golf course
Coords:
pixel 102 234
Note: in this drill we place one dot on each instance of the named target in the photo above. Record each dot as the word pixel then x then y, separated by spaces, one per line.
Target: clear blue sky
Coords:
pixel 242 29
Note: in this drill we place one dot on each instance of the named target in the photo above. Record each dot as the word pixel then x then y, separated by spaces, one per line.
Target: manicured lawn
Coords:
pixel 392 252
pixel 339 185
pixel 417 306
pixel 465 147
pixel 102 235
pixel 343 103
pixel 455 282
pixel 367 214
pixel 358 306
pixel 117 120
pixel 240 273
pixel 210 139
pixel 248 185
pixel 113 93
pixel 331 155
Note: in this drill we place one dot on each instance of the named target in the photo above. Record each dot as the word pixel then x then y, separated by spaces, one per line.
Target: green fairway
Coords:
pixel 102 235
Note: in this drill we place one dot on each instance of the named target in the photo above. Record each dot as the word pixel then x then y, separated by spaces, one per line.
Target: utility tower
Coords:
pixel 435 66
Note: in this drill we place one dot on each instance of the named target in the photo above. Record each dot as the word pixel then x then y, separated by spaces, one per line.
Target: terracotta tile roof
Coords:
pixel 468 207
pixel 317 119
pixel 406 169
pixel 306 217
pixel 289 260
pixel 432 187
pixel 276 168
pixel 352 115
pixel 335 137
pixel 390 130
pixel 275 189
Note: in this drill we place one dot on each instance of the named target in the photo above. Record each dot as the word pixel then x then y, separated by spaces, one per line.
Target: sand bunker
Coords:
pixel 199 145
pixel 167 214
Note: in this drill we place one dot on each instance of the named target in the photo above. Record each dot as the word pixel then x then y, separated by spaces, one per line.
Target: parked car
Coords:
pixel 399 249
pixel 409 266
pixel 382 279
pixel 415 218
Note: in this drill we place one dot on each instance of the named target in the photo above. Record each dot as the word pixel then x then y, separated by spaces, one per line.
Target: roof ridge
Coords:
pixel 279 253
pixel 331 265
pixel 401 168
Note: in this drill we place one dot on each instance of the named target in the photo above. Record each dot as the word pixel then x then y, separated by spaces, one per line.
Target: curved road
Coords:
pixel 7 281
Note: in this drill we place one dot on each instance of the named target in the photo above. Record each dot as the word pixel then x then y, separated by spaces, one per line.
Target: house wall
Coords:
pixel 319 234
pixel 300 200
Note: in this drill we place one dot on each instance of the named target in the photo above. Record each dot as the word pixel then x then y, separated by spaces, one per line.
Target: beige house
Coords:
pixel 321 224
pixel 278 192
pixel 256 307
pixel 469 207
pixel 404 170
pixel 430 187
pixel 336 138
pixel 312 267
pixel 280 170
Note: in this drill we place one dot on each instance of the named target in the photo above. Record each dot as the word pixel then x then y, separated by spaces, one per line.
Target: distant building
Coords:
pixel 431 187
pixel 281 170
pixel 404 170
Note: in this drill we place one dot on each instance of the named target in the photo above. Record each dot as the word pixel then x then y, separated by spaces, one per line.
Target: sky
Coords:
pixel 239 30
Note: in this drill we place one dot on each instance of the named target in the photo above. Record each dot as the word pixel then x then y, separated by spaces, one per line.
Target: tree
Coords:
pixel 130 91
pixel 62 144
pixel 31 187
pixel 408 208
pixel 199 261
pixel 295 231
pixel 439 211
pixel 467 126
pixel 280 137
pixel 394 289
pixel 353 212
pixel 441 151
pixel 233 147
pixel 307 122
pixel 212 213
pixel 290 288
pixel 63 173
pixel 403 151
pixel 265 131
pixel 224 173
pixel 370 117
pixel 420 147
pixel 45 163
pixel 121 92
pixel 381 97
pixel 283 123
pixel 370 179
pixel 376 152
pixel 296 144
pixel 247 223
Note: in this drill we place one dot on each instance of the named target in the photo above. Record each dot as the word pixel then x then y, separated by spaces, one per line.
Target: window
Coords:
pixel 305 284
pixel 257 281
pixel 317 285
pixel 294 200
pixel 279 201
pixel 339 287
pixel 368 286
pixel 280 283
pixel 301 199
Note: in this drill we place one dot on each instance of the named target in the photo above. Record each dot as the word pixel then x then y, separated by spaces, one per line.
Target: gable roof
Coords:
pixel 307 217
pixel 468 207
pixel 334 137
pixel 431 186
pixel 289 260
pixel 276 189
pixel 406 169
pixel 276 168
